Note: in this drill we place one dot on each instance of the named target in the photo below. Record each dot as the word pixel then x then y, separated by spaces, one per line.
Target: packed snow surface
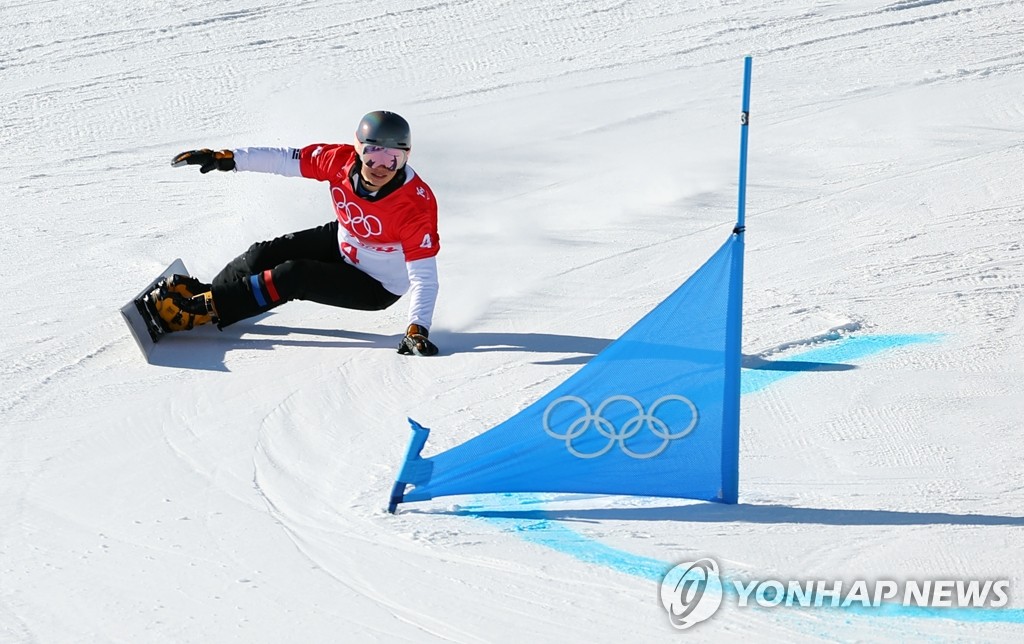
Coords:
pixel 584 155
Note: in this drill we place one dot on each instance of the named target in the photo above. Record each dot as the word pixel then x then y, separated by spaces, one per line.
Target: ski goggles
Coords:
pixel 389 158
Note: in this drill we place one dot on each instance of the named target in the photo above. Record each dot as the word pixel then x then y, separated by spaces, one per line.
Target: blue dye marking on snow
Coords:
pixel 535 527
pixel 550 534
pixel 828 358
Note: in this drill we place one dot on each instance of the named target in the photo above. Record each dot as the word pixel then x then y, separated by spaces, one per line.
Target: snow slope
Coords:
pixel 584 156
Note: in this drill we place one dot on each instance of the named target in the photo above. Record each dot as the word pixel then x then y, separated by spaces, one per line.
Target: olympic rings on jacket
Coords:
pixel 351 215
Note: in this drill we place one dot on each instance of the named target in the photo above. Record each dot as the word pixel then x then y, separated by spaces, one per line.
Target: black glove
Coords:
pixel 416 343
pixel 207 160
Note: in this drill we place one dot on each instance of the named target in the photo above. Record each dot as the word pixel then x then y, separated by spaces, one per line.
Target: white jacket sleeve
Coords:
pixel 423 288
pixel 283 161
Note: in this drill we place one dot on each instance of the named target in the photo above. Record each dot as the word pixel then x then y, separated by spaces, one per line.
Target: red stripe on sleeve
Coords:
pixel 268 280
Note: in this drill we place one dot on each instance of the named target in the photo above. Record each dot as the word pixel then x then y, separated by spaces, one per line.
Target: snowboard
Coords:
pixel 141 320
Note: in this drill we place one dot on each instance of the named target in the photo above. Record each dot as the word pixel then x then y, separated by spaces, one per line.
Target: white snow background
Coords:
pixel 584 155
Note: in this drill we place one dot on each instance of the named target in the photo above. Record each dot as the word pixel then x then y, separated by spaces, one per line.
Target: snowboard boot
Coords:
pixel 178 312
pixel 185 285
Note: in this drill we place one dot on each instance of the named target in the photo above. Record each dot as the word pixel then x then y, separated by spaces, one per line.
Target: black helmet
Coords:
pixel 385 129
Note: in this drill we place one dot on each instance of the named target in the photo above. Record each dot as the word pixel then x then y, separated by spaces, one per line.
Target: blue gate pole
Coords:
pixel 734 322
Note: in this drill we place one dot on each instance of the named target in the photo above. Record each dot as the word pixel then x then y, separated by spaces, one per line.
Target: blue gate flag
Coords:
pixel 656 413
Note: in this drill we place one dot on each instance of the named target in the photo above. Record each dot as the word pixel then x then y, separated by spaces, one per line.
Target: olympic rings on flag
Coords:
pixel 619 435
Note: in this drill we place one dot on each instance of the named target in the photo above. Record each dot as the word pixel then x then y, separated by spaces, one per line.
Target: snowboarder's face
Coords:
pixel 376 176
pixel 380 164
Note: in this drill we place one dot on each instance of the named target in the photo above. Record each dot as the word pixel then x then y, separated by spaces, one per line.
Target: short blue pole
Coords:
pixel 415 469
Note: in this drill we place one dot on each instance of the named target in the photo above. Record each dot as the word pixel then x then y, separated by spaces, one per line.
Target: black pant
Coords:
pixel 306 265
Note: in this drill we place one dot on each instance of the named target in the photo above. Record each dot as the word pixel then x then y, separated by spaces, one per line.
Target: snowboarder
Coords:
pixel 383 243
